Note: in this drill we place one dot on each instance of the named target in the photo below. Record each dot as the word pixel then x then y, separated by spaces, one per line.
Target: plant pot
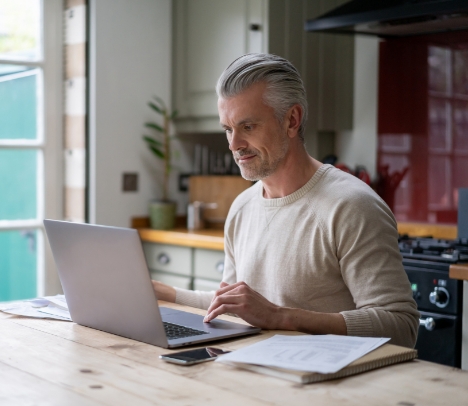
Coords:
pixel 162 215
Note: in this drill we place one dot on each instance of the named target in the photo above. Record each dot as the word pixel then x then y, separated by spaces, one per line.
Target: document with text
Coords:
pixel 325 354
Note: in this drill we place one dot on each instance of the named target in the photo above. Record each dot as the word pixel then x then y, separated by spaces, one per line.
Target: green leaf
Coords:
pixel 157 152
pixel 156 108
pixel 161 102
pixel 174 114
pixel 152 141
pixel 154 126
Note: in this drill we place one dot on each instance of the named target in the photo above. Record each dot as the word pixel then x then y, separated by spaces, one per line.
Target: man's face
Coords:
pixel 257 141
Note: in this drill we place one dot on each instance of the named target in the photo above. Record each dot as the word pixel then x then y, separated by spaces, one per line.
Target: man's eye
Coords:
pixel 247 127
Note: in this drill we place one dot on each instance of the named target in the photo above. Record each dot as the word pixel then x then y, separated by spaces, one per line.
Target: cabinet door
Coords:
pixel 168 258
pixel 203 284
pixel 183 282
pixel 208 264
pixel 208 36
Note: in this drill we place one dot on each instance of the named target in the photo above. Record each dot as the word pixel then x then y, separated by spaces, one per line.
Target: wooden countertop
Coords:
pixel 213 239
pixel 208 239
pixel 459 271
pixel 58 362
pixel 444 231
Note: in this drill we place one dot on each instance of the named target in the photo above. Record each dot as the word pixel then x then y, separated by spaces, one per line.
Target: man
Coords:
pixel 308 247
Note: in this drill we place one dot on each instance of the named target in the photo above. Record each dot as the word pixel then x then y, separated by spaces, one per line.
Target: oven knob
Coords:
pixel 440 297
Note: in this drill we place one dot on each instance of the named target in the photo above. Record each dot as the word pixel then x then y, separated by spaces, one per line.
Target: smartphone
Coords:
pixel 191 357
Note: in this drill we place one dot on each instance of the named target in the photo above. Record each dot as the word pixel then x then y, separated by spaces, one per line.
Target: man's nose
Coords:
pixel 237 141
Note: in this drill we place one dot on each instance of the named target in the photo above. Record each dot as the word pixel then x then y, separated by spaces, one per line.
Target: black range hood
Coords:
pixel 393 18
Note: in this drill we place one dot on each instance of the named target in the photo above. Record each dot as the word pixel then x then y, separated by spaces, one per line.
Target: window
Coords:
pixel 30 143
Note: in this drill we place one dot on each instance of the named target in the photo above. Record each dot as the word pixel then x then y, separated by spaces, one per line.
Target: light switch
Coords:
pixel 130 182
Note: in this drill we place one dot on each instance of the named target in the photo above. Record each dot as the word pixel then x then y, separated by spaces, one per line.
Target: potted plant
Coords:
pixel 162 212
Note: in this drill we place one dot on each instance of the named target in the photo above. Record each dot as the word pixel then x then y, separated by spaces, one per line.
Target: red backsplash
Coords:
pixel 423 125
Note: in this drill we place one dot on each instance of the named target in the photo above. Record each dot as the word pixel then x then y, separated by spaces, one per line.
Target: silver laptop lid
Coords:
pixel 105 279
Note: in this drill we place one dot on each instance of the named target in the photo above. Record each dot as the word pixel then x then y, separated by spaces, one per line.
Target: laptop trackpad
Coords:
pixel 196 321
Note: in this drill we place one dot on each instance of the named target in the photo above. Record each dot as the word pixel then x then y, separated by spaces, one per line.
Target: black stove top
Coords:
pixel 436 250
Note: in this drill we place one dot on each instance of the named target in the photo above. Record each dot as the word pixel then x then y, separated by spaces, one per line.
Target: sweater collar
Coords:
pixel 293 197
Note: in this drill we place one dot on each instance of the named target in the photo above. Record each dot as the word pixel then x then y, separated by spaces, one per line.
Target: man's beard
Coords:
pixel 260 167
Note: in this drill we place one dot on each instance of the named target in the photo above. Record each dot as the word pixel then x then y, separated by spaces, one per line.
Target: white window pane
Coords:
pixel 20 29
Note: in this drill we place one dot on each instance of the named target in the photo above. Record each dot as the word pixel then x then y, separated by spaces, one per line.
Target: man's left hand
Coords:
pixel 240 299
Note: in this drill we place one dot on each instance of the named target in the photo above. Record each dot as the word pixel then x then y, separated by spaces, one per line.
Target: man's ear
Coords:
pixel 293 118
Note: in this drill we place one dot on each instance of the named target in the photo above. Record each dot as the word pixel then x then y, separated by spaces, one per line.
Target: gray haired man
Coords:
pixel 308 247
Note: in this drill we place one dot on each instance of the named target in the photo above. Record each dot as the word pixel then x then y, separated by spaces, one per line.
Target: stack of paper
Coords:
pixel 308 359
pixel 51 307
pixel 325 354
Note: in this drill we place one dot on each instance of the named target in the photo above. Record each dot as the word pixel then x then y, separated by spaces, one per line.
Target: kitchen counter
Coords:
pixel 459 271
pixel 213 239
pixel 57 362
pixel 208 239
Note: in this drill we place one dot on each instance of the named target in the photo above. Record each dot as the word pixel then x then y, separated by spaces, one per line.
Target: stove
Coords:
pixel 439 298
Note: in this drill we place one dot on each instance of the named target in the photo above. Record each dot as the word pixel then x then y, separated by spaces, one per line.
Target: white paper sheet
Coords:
pixel 57 300
pixel 51 307
pixel 320 353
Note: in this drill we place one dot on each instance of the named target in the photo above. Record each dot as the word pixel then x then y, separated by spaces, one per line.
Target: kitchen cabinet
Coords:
pixel 185 267
pixel 209 34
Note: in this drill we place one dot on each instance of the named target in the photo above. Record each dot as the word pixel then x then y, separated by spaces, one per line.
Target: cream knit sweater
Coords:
pixel 331 247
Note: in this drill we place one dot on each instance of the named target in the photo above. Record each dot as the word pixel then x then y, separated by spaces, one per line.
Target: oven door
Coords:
pixel 439 339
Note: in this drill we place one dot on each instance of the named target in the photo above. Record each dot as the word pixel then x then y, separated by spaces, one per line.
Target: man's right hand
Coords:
pixel 164 292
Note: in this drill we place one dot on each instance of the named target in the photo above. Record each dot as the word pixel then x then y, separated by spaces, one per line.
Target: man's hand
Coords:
pixel 164 292
pixel 243 301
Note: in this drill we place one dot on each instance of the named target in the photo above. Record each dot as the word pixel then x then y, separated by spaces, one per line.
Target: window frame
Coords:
pixel 49 141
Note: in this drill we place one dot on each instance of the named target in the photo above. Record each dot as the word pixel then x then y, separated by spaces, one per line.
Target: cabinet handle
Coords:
pixel 164 259
pixel 220 266
pixel 429 323
pixel 255 27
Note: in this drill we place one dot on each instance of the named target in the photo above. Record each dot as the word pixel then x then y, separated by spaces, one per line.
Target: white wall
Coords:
pixel 359 146
pixel 130 61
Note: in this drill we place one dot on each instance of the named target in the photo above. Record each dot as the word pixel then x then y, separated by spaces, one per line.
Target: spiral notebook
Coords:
pixel 385 355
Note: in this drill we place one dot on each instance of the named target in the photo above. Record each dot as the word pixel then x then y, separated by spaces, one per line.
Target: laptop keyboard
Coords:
pixel 174 331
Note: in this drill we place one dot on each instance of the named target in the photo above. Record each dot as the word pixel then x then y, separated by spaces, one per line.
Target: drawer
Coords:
pixel 183 282
pixel 208 264
pixel 203 284
pixel 168 258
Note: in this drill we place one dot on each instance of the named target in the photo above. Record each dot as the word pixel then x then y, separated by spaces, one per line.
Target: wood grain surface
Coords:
pixel 57 363
pixel 459 271
pixel 221 190
pixel 444 231
pixel 208 239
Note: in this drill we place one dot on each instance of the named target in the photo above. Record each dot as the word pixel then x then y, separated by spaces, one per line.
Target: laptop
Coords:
pixel 107 285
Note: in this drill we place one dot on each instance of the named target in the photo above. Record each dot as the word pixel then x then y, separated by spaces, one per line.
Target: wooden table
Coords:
pixel 61 363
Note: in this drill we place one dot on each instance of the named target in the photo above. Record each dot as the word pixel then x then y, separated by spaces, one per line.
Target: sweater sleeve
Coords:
pixel 194 298
pixel 366 241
